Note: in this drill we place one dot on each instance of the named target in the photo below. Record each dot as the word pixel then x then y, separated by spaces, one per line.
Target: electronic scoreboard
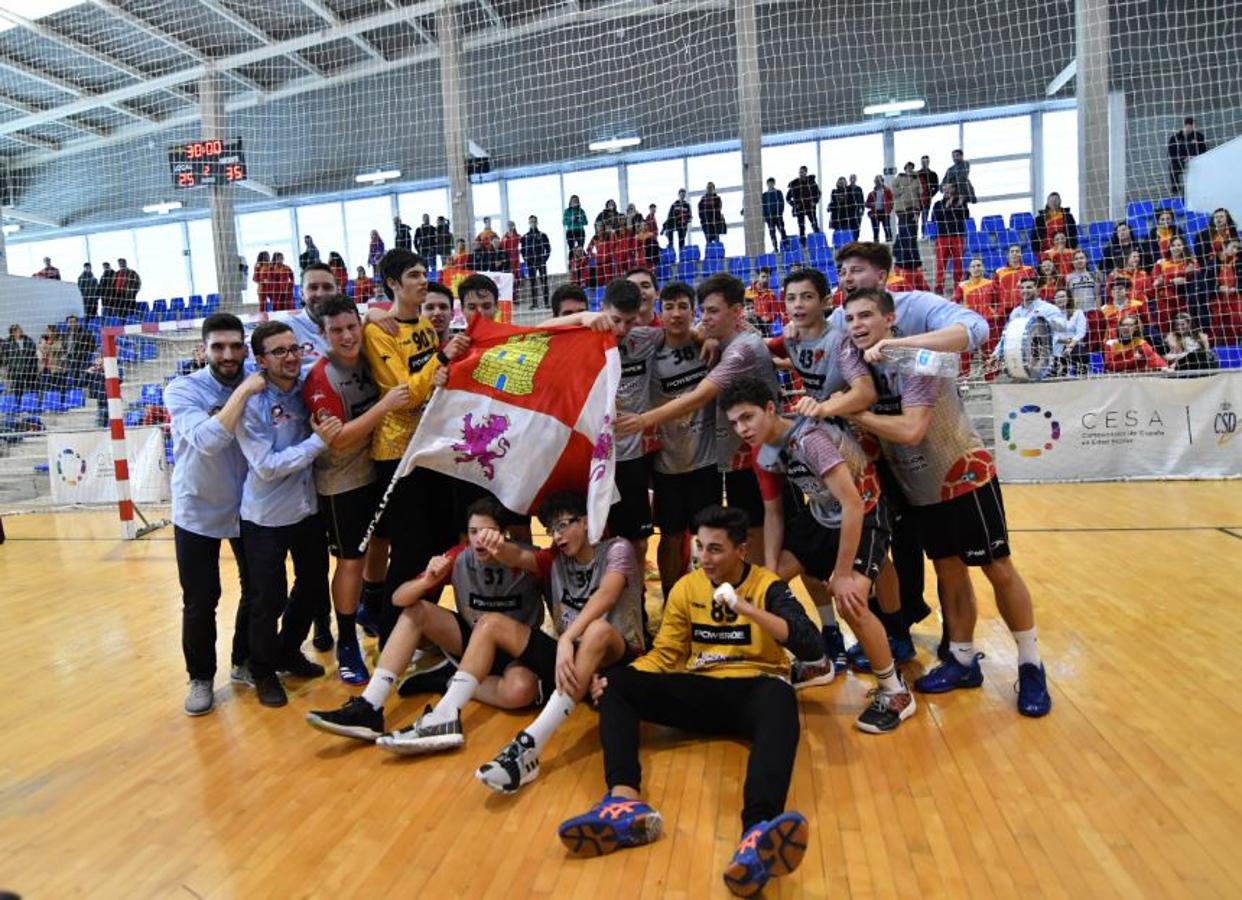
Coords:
pixel 207 162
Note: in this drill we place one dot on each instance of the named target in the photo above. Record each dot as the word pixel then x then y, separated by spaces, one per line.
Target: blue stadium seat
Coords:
pixel 821 259
pixel 1022 221
pixel 794 242
pixel 177 303
pixel 841 237
pixel 976 243
pixel 1095 363
pixel 9 404
pixel 197 300
pixel 664 272
pixel 1175 204
pixel 993 259
pixel 595 299
pixel 688 270
pixel 691 253
pixel 789 257
pixel 213 302
pixel 1101 231
pixel 739 267
pixel 971 226
pixel 159 306
pixel 1139 214
pixel 75 398
pixel 816 240
pixel 30 404
pixel 1095 253
pixel 1028 256
pixel 133 418
pixel 713 263
pixel 767 260
pixel 1196 222
pixel 992 223
pixel 125 351
pixel 1229 357
pixel 144 307
pixel 147 350
pixel 668 255
pixel 110 322
pixel 53 402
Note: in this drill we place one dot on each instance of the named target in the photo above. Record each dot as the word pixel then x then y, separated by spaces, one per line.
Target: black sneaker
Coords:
pixel 270 691
pixel 356 719
pixel 299 666
pixel 886 711
pixel 366 621
pixel 323 637
pixel 430 681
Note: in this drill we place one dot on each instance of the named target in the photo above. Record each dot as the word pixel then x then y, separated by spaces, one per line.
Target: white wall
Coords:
pixel 1212 179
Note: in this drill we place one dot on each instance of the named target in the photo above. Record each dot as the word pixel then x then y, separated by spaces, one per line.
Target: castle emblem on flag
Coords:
pixel 476 442
pixel 510 367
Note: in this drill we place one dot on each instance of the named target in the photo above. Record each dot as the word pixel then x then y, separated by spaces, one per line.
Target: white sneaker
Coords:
pixel 806 675
pixel 421 738
pixel 200 699
pixel 515 765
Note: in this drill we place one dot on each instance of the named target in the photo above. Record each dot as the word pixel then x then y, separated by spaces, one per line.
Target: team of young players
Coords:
pixel 817 495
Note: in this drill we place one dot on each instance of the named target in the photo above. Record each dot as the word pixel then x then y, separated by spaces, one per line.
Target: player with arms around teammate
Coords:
pixel 841 537
pixel 481 584
pixel 719 665
pixel 206 408
pixel 950 484
pixel 340 386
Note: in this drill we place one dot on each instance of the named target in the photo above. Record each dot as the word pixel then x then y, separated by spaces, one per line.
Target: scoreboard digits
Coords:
pixel 207 162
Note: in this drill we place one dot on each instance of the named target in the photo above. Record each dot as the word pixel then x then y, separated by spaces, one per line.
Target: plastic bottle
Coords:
pixel 916 361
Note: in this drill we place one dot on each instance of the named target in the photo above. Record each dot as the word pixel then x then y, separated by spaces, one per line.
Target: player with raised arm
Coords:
pixel 481 584
pixel 954 498
pixel 719 665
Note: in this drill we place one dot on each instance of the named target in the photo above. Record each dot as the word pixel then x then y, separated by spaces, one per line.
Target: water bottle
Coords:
pixel 917 361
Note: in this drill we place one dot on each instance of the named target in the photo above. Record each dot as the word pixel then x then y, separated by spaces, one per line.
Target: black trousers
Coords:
pixel 775 225
pixel 802 217
pixel 535 272
pixel 906 550
pixel 680 231
pixel 761 709
pixel 574 237
pixel 198 568
pixel 265 549
pixel 418 526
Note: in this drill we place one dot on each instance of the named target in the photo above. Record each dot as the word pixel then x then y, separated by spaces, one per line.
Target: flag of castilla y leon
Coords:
pixel 526 412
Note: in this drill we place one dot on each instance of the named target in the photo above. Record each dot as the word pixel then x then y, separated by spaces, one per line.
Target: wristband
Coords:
pixel 444 360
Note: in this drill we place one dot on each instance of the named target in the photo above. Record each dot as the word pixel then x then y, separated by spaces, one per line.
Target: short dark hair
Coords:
pixel 264 331
pixel 486 506
pixel 567 292
pixel 733 520
pixel 316 267
pixel 882 299
pixel 434 287
pixel 750 391
pixel 868 251
pixel 222 322
pixel 1025 278
pixel 478 284
pixel 395 263
pixel 335 305
pixel 559 502
pixel 641 270
pixel 1121 282
pixel 623 295
pixel 816 277
pixel 675 290
pixel 733 291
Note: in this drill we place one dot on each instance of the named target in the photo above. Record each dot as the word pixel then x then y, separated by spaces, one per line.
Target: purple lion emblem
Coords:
pixel 477 439
pixel 602 450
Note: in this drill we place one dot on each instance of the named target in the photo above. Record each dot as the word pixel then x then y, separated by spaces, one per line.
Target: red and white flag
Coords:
pixel 526 412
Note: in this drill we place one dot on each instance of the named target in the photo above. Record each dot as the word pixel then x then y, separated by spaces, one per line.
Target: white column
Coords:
pixel 223 221
pixel 461 203
pixel 750 125
pixel 1091 28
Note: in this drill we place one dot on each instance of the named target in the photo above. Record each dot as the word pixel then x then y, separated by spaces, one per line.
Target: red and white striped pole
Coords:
pixel 116 425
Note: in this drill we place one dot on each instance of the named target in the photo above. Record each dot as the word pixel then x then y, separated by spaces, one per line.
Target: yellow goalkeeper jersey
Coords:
pixel 409 358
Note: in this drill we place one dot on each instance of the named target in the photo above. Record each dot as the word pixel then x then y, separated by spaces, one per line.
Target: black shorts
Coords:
pixel 384 470
pixel 678 498
pixel 503 660
pixel 971 527
pixel 540 657
pixel 346 518
pixel 815 547
pixel 630 517
pixel 742 492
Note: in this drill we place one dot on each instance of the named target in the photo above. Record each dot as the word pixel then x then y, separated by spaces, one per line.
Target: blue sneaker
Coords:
pixel 856 657
pixel 350 665
pixel 767 850
pixel 834 647
pixel 610 825
pixel 1033 697
pixel 951 675
pixel 366 621
pixel 903 649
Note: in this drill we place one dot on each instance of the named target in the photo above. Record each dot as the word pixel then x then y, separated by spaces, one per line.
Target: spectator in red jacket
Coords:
pixel 1224 283
pixel 48 271
pixel 1061 255
pixel 711 215
pixel 1129 352
pixel 880 209
pixel 511 246
pixel 949 215
pixel 280 281
pixel 262 280
pixel 364 287
pixel 579 267
pixel 1052 220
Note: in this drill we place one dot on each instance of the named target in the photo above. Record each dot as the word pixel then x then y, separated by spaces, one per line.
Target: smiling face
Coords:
pixel 316 284
pixel 856 274
pixel 719 558
pixel 439 312
pixel 282 356
pixel 1015 257
pixel 865 323
pixel 344 335
pixel 719 320
pixel 677 314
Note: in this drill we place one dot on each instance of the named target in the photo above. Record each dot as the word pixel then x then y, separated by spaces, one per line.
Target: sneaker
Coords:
pixel 433 680
pixel 902 649
pixel 951 675
pixel 200 699
pixel 356 719
pixel 366 621
pixel 350 666
pixel 886 711
pixel 240 675
pixel 857 658
pixel 299 666
pixel 610 825
pixel 1032 687
pixel 810 674
pixel 515 765
pixel 421 738
pixel 270 691
pixel 767 850
pixel 834 646
pixel 322 640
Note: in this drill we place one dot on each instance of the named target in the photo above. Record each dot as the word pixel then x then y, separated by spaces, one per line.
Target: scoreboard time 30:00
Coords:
pixel 207 162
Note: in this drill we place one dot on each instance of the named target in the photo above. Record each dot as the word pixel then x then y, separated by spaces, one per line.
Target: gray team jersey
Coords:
pixel 687 443
pixel 634 392
pixel 744 355
pixel 479 588
pixel 809 450
pixel 571 584
pixel 816 361
pixel 346 393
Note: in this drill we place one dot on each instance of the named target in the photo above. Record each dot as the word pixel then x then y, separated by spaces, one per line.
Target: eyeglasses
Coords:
pixel 557 527
pixel 282 352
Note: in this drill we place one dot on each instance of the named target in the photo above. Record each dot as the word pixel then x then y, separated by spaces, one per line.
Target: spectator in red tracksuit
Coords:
pixel 280 283
pixel 880 209
pixel 949 215
pixel 511 246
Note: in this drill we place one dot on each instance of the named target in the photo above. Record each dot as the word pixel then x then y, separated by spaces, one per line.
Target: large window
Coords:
pixel 996 137
pixel 539 196
pixel 107 246
pixel 24 260
pixel 486 198
pixel 1060 156
pixel 782 162
pixel 412 206
pixel 160 252
pixel 361 217
pixel 594 187
pixel 323 223
pixel 203 261
pixel 861 155
pixel 722 169
pixel 655 182
pixel 1011 176
pixel 937 141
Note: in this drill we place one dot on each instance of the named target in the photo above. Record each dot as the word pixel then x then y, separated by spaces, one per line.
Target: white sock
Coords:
pixel 461 688
pixel 963 652
pixel 1028 649
pixel 379 687
pixel 889 682
pixel 554 712
pixel 828 615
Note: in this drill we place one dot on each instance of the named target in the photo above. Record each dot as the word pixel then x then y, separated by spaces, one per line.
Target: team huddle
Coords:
pixel 873 468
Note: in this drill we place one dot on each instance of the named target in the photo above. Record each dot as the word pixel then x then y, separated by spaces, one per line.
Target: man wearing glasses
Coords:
pixel 280 513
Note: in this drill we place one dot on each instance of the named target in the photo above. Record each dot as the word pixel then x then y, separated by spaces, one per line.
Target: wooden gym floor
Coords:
pixel 1131 787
